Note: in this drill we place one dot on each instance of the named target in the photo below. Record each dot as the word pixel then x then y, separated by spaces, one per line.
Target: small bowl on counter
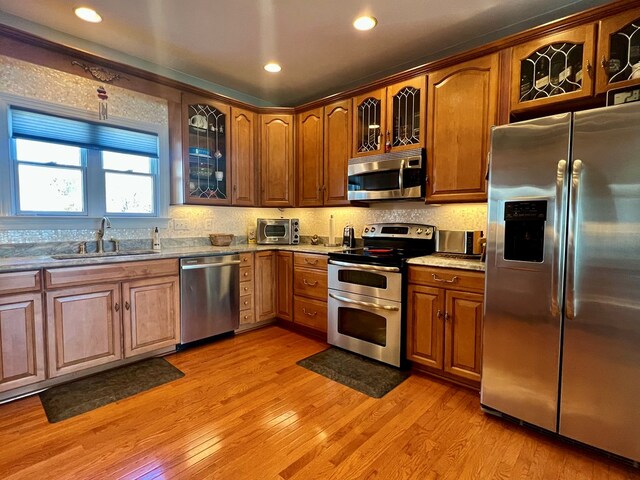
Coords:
pixel 221 239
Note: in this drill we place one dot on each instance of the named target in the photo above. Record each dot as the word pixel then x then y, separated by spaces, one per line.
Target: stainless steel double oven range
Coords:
pixel 367 287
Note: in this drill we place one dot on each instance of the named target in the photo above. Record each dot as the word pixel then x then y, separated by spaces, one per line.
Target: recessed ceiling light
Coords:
pixel 272 67
pixel 365 23
pixel 88 14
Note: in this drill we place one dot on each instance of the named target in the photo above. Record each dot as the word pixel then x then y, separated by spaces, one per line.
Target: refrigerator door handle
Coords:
pixel 556 292
pixel 571 308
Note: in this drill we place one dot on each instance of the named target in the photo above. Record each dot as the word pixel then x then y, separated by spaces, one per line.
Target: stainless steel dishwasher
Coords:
pixel 209 296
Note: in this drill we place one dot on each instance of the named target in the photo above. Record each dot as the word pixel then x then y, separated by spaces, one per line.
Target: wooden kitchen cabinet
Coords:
pixel 22 354
pixel 265 286
pixel 247 292
pixel 151 307
pixel 553 68
pixel 337 151
pixel 618 39
pixel 99 314
pixel 284 269
pixel 206 160
pixel 277 177
pixel 243 156
pixel 390 119
pixel 444 322
pixel 83 327
pixel 310 172
pixel 310 291
pixel 461 108
pixel 323 150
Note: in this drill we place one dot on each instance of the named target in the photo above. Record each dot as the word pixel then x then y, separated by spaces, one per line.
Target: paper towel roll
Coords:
pixel 332 235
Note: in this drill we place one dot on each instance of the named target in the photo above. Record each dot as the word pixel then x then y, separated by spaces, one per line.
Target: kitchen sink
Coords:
pixel 73 256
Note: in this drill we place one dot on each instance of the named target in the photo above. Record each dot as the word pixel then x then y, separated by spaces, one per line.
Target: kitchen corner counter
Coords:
pixel 446 262
pixel 12 264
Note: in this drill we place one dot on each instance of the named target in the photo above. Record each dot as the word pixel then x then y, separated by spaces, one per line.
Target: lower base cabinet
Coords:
pixel 310 291
pixel 22 359
pixel 136 312
pixel 285 285
pixel 444 322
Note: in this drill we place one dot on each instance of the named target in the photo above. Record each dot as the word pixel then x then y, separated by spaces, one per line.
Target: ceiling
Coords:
pixel 228 42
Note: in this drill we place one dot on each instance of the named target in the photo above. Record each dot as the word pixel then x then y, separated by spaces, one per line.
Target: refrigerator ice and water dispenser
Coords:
pixel 524 230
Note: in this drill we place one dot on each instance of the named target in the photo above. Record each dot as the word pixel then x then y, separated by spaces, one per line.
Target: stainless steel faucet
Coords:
pixel 104 223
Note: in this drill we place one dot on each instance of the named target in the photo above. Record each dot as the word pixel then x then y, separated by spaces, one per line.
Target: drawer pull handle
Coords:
pixel 436 278
pixel 311 314
pixel 310 284
pixel 311 262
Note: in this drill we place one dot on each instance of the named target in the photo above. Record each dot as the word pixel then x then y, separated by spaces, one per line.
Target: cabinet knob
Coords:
pixel 126 305
pixel 246 303
pixel 439 314
pixel 117 307
pixel 447 317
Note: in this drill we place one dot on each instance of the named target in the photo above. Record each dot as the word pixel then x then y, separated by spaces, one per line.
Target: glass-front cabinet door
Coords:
pixel 369 123
pixel 406 115
pixel 619 51
pixel 553 68
pixel 206 159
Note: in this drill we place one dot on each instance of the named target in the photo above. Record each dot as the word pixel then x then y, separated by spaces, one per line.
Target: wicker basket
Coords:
pixel 221 239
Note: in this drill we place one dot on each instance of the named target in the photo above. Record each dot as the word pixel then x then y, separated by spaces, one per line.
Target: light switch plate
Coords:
pixel 208 224
pixel 180 224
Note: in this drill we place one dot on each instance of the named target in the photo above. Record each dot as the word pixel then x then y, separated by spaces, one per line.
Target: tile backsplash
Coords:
pixel 199 221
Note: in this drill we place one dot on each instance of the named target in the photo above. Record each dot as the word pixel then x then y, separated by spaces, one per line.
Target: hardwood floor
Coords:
pixel 245 410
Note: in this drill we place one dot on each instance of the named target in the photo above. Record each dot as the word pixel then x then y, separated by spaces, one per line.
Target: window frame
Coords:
pixel 10 218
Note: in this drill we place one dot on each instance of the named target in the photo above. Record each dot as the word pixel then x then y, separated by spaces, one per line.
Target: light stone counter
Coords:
pixel 436 261
pixel 12 264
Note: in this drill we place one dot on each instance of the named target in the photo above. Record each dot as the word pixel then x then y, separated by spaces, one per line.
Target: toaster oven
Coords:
pixel 278 231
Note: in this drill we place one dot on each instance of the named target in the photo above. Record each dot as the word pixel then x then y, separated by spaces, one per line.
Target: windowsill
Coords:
pixel 78 223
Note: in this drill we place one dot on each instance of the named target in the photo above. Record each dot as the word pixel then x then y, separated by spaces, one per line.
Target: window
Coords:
pixel 63 164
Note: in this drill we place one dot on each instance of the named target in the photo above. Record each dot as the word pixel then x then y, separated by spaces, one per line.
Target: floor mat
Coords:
pixel 80 396
pixel 355 371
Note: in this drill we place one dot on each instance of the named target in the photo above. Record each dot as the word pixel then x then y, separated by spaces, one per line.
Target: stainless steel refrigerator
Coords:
pixel 561 345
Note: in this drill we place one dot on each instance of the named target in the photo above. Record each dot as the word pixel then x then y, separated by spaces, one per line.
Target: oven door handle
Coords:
pixel 359 266
pixel 364 304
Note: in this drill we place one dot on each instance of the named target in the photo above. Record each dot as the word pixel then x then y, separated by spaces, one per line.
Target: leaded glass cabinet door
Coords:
pixel 206 155
pixel 406 115
pixel 369 111
pixel 618 60
pixel 554 68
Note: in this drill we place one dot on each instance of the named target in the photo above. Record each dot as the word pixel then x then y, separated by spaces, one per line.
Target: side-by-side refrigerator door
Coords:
pixel 524 269
pixel 600 391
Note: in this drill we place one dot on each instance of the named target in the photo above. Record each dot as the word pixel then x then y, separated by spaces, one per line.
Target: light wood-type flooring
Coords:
pixel 245 410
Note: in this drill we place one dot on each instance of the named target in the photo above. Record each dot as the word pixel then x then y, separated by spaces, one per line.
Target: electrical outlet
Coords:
pixel 180 224
pixel 208 224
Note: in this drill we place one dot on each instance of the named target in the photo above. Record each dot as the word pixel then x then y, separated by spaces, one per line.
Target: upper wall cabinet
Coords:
pixel 243 156
pixel 553 68
pixel 277 160
pixel 323 149
pixel 390 118
pixel 206 162
pixel 462 107
pixel 618 51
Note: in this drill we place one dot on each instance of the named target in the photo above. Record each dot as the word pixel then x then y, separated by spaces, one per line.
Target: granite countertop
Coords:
pixel 436 261
pixel 11 264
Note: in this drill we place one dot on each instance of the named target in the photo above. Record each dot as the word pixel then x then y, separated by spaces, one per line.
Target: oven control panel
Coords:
pixel 398 230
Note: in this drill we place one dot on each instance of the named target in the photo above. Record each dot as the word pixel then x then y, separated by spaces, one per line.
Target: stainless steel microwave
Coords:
pixel 388 176
pixel 278 231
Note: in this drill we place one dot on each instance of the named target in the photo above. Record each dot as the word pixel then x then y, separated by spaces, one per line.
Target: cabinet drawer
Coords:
pixel 246 316
pixel 246 302
pixel 17 282
pixel 246 274
pixel 310 283
pixel 246 259
pixel 246 288
pixel 68 276
pixel 311 313
pixel 447 278
pixel 309 260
